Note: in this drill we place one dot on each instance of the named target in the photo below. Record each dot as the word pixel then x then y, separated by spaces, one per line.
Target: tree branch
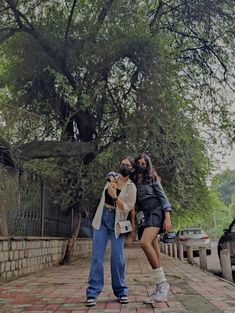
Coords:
pixel 157 13
pixel 12 6
pixel 116 139
pixel 100 20
pixel 49 49
pixel 47 149
pixel 68 28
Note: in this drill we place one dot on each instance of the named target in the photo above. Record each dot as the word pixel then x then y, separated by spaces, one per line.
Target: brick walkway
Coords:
pixel 62 289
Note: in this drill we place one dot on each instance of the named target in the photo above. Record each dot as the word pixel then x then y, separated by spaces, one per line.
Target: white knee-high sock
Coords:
pixel 159 276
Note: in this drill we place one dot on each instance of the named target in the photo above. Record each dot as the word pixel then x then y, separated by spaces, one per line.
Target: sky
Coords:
pixel 228 162
pixel 230 158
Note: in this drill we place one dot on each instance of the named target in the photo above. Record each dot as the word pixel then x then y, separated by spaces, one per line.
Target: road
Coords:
pixel 213 261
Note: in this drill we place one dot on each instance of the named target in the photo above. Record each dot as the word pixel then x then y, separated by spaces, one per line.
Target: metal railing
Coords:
pixel 36 213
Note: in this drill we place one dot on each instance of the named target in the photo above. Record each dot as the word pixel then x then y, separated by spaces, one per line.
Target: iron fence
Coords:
pixel 36 213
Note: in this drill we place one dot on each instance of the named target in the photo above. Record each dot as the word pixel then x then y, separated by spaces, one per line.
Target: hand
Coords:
pixel 167 223
pixel 112 190
pixel 128 239
pixel 133 233
pixel 113 184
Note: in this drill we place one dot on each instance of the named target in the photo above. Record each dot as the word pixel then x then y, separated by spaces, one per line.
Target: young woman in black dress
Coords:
pixel 153 218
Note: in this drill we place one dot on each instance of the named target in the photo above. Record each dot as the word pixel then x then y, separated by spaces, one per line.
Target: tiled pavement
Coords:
pixel 62 289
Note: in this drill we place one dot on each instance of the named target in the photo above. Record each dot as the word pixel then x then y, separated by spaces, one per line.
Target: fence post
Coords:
pixel 42 206
pixel 170 250
pixel 72 219
pixel 181 251
pixel 226 265
pixel 175 250
pixel 166 248
pixel 203 258
pixel 190 254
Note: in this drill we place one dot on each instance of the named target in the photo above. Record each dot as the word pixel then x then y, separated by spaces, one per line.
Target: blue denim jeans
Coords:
pixel 117 261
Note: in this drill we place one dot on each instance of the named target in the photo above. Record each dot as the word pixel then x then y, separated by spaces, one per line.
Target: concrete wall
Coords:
pixel 20 256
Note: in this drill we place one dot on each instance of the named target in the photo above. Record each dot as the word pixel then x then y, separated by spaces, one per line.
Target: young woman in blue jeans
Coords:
pixel 118 198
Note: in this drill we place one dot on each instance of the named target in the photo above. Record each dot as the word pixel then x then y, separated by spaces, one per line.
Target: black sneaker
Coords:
pixel 90 302
pixel 123 299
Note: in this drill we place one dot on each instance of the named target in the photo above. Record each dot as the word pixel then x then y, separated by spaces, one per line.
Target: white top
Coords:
pixel 127 195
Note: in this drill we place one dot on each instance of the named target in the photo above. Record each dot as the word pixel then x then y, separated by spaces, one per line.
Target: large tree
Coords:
pixel 74 63
pixel 78 76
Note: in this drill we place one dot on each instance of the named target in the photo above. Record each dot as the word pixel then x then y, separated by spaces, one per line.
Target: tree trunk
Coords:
pixel 72 240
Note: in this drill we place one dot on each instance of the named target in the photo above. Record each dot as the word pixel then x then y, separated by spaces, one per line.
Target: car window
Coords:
pixel 232 229
pixel 191 232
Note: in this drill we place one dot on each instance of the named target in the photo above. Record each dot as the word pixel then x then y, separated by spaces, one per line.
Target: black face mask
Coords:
pixel 140 169
pixel 125 171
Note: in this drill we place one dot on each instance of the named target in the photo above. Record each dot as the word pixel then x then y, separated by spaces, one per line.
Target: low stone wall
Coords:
pixel 20 256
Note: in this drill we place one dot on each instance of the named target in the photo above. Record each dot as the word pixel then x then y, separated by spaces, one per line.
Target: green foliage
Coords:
pixel 224 183
pixel 114 75
pixel 222 189
pixel 220 215
pixel 232 205
pixel 213 218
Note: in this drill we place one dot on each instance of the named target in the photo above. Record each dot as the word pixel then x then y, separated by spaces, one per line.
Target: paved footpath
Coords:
pixel 62 289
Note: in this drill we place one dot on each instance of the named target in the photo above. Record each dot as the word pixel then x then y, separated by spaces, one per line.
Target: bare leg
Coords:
pixel 156 247
pixel 149 243
pixel 146 243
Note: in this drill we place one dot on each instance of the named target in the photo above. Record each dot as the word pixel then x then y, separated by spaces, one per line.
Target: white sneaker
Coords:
pixel 123 299
pixel 160 295
pixel 90 302
pixel 150 299
pixel 162 292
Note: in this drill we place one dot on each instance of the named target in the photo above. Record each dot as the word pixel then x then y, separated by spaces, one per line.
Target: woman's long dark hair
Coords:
pixel 150 172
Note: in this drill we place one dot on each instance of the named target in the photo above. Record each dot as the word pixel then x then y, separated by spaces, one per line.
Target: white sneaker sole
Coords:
pixel 154 301
pixel 89 304
pixel 163 300
pixel 149 302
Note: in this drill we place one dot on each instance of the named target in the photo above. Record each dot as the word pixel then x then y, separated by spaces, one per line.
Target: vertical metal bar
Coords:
pixel 42 206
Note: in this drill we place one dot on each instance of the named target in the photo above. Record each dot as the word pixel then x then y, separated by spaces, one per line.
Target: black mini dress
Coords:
pixel 152 203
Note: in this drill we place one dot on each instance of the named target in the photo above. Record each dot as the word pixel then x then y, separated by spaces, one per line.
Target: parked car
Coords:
pixel 227 241
pixel 161 237
pixel 169 237
pixel 195 237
